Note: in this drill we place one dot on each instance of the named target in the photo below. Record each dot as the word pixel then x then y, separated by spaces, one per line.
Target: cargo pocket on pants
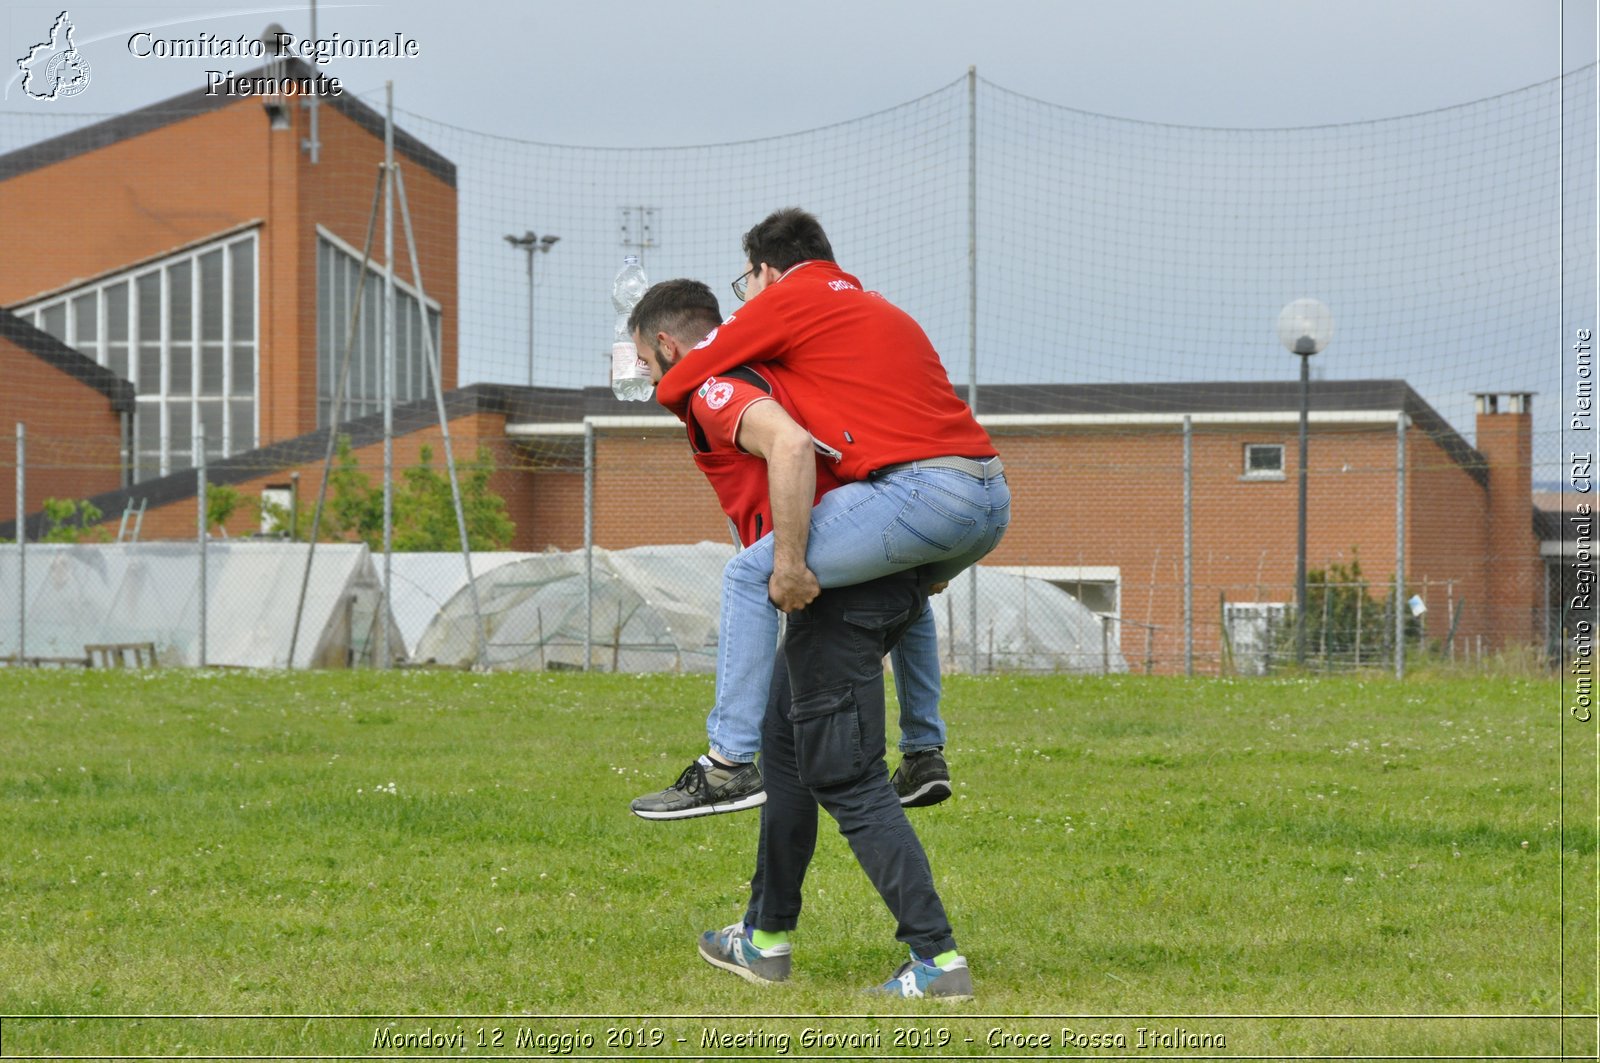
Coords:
pixel 827 737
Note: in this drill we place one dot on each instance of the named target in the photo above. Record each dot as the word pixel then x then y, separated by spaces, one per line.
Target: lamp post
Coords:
pixel 531 243
pixel 1304 327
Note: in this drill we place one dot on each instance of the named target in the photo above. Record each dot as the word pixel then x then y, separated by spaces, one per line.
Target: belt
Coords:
pixel 981 468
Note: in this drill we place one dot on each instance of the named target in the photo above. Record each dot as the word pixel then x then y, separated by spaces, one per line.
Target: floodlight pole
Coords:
pixel 1300 542
pixel 530 243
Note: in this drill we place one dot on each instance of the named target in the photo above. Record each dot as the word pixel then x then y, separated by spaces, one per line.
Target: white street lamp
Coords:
pixel 1304 328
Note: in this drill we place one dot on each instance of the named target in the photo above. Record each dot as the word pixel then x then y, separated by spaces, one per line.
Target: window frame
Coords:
pixel 159 401
pixel 1270 475
pixel 413 382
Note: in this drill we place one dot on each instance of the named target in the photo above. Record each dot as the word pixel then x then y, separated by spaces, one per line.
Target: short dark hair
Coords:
pixel 684 309
pixel 785 238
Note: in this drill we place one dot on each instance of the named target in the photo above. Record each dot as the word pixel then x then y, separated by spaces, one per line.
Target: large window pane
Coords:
pixel 149 369
pixel 117 312
pixel 147 433
pixel 405 336
pixel 211 369
pixel 371 342
pixel 180 300
pixel 211 423
pixel 147 426
pixel 149 287
pixel 433 328
pixel 53 319
pixel 180 430
pixel 242 435
pixel 211 296
pixel 324 320
pixel 180 378
pixel 86 324
pixel 243 255
pixel 244 369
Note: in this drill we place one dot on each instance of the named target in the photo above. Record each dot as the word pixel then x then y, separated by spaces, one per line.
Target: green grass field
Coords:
pixel 1319 865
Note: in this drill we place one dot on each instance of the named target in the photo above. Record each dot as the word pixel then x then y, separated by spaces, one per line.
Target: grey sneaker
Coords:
pixel 731 950
pixel 918 978
pixel 922 779
pixel 704 789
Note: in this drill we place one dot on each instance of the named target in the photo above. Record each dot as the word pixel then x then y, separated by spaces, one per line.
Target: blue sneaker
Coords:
pixel 919 978
pixel 730 949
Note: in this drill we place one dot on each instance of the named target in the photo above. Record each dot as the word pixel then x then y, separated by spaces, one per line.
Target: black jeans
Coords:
pixel 823 743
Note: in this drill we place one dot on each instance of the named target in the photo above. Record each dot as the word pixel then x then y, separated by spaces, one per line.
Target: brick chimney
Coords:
pixel 1515 573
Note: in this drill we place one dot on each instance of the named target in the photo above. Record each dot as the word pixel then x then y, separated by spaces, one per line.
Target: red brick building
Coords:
pixel 1097 479
pixel 222 290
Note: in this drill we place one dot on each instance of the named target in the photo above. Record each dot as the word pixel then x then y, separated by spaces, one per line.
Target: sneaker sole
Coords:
pixel 743 972
pixel 929 793
pixel 755 800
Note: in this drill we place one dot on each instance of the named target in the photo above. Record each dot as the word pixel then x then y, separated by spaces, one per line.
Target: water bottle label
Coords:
pixel 626 363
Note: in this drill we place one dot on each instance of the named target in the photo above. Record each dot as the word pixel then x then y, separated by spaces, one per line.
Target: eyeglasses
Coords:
pixel 741 287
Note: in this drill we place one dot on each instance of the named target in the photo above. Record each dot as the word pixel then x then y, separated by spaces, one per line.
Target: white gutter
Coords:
pixel 1095 420
pixel 533 429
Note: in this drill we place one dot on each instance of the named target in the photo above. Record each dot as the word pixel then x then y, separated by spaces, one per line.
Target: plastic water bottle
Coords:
pixel 630 374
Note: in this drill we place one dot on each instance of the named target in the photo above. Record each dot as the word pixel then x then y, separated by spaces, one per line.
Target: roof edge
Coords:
pixel 285 454
pixel 162 113
pixel 45 347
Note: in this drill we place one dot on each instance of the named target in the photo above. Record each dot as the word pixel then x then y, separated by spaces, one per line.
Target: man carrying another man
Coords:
pixel 924 497
pixel 921 483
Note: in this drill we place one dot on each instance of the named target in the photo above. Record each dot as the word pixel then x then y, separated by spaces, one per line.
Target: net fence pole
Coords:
pixel 588 541
pixel 1400 547
pixel 22 542
pixel 340 388
pixel 200 519
pixel 388 374
pixel 972 314
pixel 1188 545
pixel 432 355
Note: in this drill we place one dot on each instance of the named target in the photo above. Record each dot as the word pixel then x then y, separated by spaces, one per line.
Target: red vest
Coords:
pixel 739 478
pixel 860 374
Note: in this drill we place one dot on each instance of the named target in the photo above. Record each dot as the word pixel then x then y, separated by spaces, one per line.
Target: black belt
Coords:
pixel 980 468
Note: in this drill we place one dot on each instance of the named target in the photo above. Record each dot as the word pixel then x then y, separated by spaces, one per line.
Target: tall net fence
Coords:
pixel 1119 313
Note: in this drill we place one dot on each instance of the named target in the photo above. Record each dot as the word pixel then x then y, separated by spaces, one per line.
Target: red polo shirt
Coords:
pixel 859 373
pixel 712 418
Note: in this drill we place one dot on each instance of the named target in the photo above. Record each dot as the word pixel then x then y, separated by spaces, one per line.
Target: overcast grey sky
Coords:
pixel 637 73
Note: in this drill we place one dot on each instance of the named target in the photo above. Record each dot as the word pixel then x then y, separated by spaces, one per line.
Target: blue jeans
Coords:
pixel 941 519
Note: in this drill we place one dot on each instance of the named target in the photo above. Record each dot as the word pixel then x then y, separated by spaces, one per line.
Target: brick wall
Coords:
pixel 132 200
pixel 74 437
pixel 1513 569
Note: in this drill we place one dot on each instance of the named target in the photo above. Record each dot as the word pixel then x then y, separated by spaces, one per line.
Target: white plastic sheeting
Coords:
pixel 79 595
pixel 1025 624
pixel 424 582
pixel 656 609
